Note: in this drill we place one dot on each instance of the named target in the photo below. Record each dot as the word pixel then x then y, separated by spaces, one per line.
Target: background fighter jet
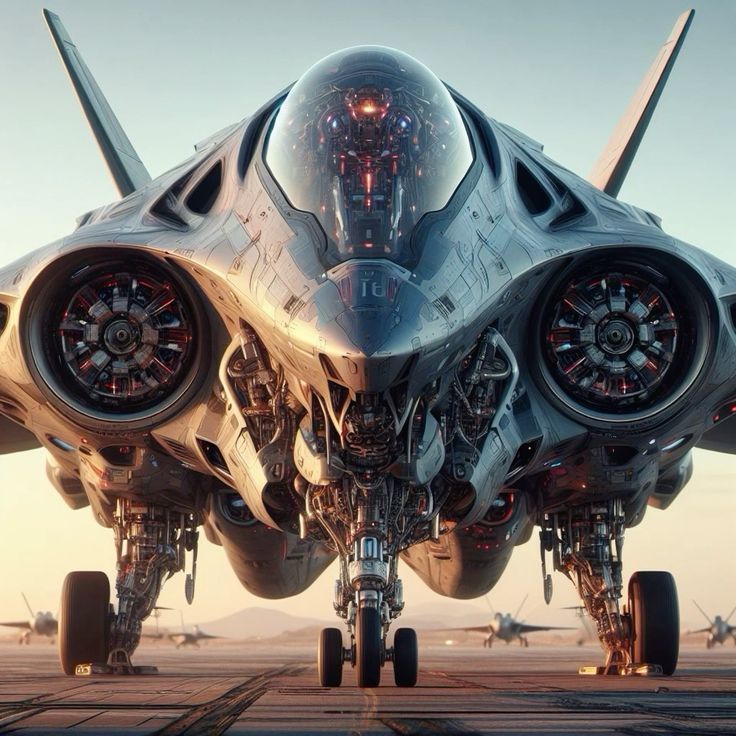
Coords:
pixel 190 638
pixel 41 624
pixel 718 630
pixel 506 627
pixel 368 323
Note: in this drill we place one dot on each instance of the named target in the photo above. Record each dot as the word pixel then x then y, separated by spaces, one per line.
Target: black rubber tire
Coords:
pixel 329 657
pixel 406 658
pixel 84 621
pixel 655 620
pixel 368 642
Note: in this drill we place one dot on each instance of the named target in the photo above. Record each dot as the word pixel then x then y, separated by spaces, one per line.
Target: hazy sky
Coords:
pixel 175 72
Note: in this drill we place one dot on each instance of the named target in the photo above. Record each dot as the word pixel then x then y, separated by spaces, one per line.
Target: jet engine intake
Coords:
pixel 622 338
pixel 114 338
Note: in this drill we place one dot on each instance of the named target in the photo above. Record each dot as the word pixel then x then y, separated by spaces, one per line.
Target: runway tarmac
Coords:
pixel 238 689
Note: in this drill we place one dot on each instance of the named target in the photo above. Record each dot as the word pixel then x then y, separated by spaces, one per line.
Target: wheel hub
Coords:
pixel 616 336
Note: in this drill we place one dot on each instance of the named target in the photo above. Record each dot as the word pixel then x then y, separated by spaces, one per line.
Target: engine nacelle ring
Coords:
pixel 114 338
pixel 622 339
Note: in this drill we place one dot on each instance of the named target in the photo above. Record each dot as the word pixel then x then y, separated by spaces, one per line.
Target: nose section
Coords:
pixel 369 329
pixel 376 321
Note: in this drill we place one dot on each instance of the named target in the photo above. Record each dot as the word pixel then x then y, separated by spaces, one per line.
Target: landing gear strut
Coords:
pixel 368 594
pixel 586 544
pixel 152 542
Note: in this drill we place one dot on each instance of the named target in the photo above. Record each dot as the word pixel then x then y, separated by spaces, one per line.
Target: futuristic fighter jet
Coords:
pixel 719 630
pixel 506 627
pixel 369 323
pixel 41 624
pixel 190 638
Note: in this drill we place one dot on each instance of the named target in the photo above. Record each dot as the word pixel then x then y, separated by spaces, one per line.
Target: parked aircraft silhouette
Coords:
pixel 506 627
pixel 41 624
pixel 718 630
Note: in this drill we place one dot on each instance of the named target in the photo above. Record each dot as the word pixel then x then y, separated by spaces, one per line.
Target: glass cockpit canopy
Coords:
pixel 369 140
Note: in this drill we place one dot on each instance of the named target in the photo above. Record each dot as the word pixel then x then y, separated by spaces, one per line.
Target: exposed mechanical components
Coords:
pixel 152 544
pixel 586 544
pixel 369 525
pixel 477 390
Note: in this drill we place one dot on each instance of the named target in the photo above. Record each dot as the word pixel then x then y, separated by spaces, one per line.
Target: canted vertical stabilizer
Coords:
pixel 126 168
pixel 611 168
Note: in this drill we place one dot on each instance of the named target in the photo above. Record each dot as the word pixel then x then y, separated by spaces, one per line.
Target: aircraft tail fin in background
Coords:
pixel 28 606
pixel 126 168
pixel 707 617
pixel 613 165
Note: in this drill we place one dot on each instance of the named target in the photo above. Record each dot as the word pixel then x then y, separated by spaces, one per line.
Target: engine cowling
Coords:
pixel 269 563
pixel 468 561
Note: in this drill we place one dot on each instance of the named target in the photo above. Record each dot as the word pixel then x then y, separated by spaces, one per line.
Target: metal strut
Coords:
pixel 152 544
pixel 586 543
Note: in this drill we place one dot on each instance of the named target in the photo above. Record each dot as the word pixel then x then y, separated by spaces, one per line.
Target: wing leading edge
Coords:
pixel 614 163
pixel 126 168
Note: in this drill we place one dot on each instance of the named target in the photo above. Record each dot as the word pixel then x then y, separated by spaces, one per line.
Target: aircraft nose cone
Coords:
pixel 368 328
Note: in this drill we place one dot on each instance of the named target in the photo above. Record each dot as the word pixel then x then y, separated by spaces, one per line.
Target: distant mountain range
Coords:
pixel 259 623
pixel 266 623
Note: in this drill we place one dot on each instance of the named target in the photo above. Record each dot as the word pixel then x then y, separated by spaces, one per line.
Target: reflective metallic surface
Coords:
pixel 370 323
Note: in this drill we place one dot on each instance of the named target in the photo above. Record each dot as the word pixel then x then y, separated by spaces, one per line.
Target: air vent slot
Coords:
pixel 203 196
pixel 533 194
pixel 13 411
pixel 619 455
pixel 573 209
pixel 213 455
pixel 524 455
pixel 444 305
pixel 732 309
pixel 338 396
pixel 179 451
pixel 120 455
pixel 329 368
pixel 293 305
pixel 165 211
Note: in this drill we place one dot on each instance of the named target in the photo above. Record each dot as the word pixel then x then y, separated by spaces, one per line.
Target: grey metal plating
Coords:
pixel 374 383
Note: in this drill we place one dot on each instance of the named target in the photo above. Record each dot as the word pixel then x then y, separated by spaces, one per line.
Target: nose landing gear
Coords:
pixel 368 594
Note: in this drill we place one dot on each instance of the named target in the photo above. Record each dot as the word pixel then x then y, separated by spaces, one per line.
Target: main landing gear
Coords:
pixel 152 545
pixel 586 544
